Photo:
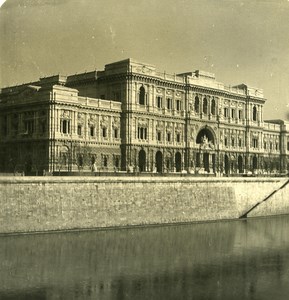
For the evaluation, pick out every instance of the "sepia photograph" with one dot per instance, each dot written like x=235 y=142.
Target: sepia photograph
x=144 y=149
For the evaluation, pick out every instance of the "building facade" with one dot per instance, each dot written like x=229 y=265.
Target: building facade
x=130 y=117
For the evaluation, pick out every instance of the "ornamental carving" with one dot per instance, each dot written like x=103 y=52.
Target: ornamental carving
x=65 y=114
x=169 y=125
x=142 y=122
x=92 y=119
x=80 y=117
x=115 y=122
x=192 y=134
x=178 y=126
x=206 y=143
x=104 y=121
x=159 y=124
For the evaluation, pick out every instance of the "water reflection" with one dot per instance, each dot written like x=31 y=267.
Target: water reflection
x=225 y=260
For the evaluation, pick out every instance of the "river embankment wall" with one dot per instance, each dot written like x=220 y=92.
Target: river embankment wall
x=38 y=204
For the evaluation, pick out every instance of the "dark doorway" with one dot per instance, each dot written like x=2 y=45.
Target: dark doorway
x=255 y=163
x=28 y=165
x=205 y=136
x=198 y=160
x=227 y=164
x=142 y=161
x=214 y=162
x=178 y=162
x=159 y=162
x=206 y=157
x=240 y=164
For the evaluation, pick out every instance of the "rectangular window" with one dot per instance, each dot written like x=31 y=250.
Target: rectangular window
x=65 y=126
x=287 y=146
x=178 y=105
x=255 y=143
x=265 y=145
x=159 y=101
x=142 y=133
x=233 y=113
x=116 y=96
x=240 y=142
x=168 y=136
x=104 y=160
x=29 y=126
x=91 y=130
x=104 y=132
x=159 y=136
x=169 y=103
x=226 y=141
x=79 y=129
x=233 y=142
x=226 y=112
x=115 y=133
x=240 y=114
x=43 y=127
x=117 y=161
x=178 y=137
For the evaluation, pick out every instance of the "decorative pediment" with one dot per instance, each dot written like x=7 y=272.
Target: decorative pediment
x=144 y=70
x=29 y=90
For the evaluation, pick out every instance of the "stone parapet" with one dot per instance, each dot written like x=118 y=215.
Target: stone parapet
x=33 y=204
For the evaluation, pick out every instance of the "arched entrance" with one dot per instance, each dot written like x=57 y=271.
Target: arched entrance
x=255 y=163
x=227 y=164
x=159 y=162
x=240 y=164
x=178 y=162
x=142 y=161
x=206 y=141
x=205 y=137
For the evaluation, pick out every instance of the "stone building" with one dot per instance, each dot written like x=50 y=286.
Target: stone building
x=130 y=117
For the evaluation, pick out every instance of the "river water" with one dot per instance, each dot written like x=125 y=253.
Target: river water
x=223 y=260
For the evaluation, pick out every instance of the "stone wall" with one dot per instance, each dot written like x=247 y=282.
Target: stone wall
x=66 y=203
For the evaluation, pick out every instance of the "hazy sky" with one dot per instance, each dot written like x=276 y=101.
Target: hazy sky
x=239 y=41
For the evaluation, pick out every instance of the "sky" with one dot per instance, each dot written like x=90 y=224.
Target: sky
x=239 y=41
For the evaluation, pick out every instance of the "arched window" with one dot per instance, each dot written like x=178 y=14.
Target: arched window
x=205 y=106
x=254 y=113
x=141 y=96
x=213 y=107
x=197 y=104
